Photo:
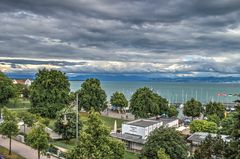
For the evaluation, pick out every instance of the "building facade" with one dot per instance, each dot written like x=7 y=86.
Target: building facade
x=134 y=133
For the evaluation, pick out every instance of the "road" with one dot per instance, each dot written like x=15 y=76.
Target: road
x=21 y=149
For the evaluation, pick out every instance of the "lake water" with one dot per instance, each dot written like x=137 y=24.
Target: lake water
x=174 y=92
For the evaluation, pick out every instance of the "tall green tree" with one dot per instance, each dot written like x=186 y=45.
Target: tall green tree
x=145 y=103
x=66 y=123
x=49 y=92
x=119 y=100
x=91 y=95
x=6 y=90
x=192 y=108
x=214 y=118
x=168 y=139
x=215 y=108
x=233 y=151
x=9 y=127
x=172 y=111
x=227 y=124
x=203 y=126
x=211 y=147
x=38 y=138
x=95 y=142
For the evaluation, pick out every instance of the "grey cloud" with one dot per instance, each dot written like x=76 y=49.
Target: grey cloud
x=151 y=32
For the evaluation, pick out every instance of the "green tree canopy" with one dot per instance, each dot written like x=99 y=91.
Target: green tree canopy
x=168 y=139
x=161 y=154
x=49 y=92
x=203 y=126
x=211 y=146
x=214 y=118
x=227 y=124
x=66 y=123
x=95 y=142
x=38 y=138
x=91 y=95
x=172 y=111
x=119 y=100
x=6 y=89
x=233 y=150
x=192 y=108
x=9 y=127
x=215 y=108
x=145 y=103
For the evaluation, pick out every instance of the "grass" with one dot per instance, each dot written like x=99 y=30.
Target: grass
x=4 y=152
x=18 y=103
x=108 y=121
x=130 y=155
x=62 y=143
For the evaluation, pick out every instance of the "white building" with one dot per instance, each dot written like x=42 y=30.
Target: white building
x=140 y=127
x=28 y=82
x=135 y=133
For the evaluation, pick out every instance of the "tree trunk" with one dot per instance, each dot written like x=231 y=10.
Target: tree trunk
x=10 y=146
x=38 y=154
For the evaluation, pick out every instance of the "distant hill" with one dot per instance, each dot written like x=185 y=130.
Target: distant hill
x=143 y=77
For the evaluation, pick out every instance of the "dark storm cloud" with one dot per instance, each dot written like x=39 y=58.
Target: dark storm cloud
x=188 y=37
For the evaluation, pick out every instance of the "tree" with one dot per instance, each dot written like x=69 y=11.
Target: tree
x=168 y=139
x=211 y=147
x=91 y=95
x=6 y=89
x=9 y=127
x=227 y=124
x=119 y=100
x=214 y=118
x=145 y=103
x=18 y=89
x=95 y=142
x=233 y=150
x=28 y=119
x=203 y=126
x=38 y=138
x=215 y=108
x=66 y=123
x=192 y=108
x=49 y=92
x=26 y=92
x=172 y=111
x=162 y=155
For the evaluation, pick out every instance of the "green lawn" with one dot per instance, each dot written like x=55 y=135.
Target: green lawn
x=62 y=143
x=18 y=103
x=4 y=152
x=130 y=155
x=108 y=121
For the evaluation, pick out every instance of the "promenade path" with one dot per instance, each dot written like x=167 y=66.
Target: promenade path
x=21 y=149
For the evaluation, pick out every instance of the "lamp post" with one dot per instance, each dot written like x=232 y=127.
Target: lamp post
x=77 y=117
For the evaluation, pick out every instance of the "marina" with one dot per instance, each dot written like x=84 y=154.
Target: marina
x=174 y=92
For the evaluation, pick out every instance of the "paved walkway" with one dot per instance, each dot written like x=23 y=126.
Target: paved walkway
x=21 y=149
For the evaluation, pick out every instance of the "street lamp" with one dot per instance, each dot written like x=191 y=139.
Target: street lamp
x=77 y=117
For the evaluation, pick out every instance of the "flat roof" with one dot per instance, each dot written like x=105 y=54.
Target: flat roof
x=200 y=136
x=143 y=123
x=165 y=120
x=129 y=137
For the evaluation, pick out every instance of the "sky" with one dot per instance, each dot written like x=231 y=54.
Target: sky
x=159 y=38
